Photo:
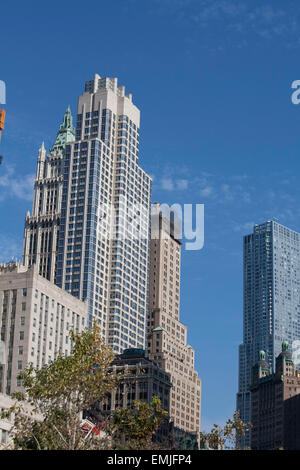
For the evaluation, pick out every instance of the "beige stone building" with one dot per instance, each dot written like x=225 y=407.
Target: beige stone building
x=167 y=336
x=6 y=423
x=36 y=317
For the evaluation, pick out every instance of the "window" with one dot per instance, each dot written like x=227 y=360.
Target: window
x=24 y=292
x=3 y=436
x=21 y=335
x=22 y=321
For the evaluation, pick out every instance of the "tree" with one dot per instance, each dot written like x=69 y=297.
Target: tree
x=133 y=428
x=57 y=394
x=234 y=430
x=228 y=437
x=214 y=439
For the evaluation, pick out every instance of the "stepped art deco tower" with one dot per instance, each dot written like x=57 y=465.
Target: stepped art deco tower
x=99 y=243
x=167 y=336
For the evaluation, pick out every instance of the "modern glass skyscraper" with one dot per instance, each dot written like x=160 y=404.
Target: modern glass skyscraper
x=271 y=300
x=104 y=202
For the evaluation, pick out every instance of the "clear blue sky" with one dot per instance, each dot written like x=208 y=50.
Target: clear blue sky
x=213 y=81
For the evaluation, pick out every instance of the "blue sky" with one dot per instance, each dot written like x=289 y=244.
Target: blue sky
x=213 y=81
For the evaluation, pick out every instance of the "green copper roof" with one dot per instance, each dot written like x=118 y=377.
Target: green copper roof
x=189 y=346
x=262 y=355
x=134 y=352
x=285 y=346
x=158 y=328
x=66 y=132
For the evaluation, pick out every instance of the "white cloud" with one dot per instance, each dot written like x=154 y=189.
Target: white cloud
x=167 y=184
x=12 y=185
x=10 y=247
x=239 y=17
x=207 y=191
x=227 y=192
x=244 y=227
x=182 y=184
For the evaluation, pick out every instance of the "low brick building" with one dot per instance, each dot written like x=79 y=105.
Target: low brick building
x=275 y=403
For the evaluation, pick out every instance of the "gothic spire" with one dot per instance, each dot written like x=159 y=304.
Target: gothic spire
x=42 y=152
x=66 y=132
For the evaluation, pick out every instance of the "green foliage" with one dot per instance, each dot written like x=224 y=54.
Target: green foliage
x=215 y=439
x=235 y=430
x=59 y=392
x=133 y=428
x=48 y=415
x=228 y=437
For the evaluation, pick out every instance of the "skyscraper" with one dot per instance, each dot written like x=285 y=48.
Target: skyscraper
x=167 y=336
x=103 y=202
x=271 y=301
x=42 y=227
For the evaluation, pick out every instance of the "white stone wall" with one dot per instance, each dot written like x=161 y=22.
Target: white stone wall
x=37 y=326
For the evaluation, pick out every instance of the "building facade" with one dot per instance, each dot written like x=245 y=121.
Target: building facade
x=36 y=317
x=95 y=241
x=167 y=336
x=6 y=423
x=42 y=227
x=271 y=301
x=275 y=403
x=142 y=380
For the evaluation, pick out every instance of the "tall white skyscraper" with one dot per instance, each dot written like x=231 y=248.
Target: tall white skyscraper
x=102 y=245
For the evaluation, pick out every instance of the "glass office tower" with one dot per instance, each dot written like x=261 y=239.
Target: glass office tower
x=271 y=301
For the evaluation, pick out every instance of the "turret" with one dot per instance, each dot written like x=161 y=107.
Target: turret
x=260 y=369
x=41 y=162
x=284 y=362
